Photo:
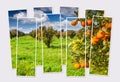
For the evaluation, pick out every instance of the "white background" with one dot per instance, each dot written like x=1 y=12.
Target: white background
x=111 y=8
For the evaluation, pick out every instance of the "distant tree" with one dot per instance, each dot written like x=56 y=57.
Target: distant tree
x=57 y=34
x=63 y=34
x=48 y=35
x=13 y=33
x=71 y=33
x=33 y=33
x=80 y=33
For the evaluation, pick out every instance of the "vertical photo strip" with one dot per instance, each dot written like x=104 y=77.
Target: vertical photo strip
x=100 y=45
x=26 y=46
x=40 y=13
x=75 y=31
x=66 y=12
x=51 y=43
x=89 y=15
x=12 y=15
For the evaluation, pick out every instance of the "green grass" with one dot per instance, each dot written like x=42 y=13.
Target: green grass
x=26 y=56
x=64 y=51
x=52 y=56
x=13 y=52
x=39 y=53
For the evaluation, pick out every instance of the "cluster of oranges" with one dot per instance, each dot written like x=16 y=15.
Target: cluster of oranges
x=101 y=35
x=75 y=22
x=82 y=65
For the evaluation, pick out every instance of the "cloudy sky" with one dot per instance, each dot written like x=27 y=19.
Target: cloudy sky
x=52 y=20
x=13 y=14
x=40 y=13
x=67 y=12
x=26 y=25
x=67 y=15
x=44 y=15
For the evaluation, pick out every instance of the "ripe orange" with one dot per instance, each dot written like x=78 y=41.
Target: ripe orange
x=100 y=34
x=85 y=64
x=89 y=22
x=95 y=40
x=77 y=66
x=108 y=25
x=83 y=23
x=74 y=23
x=107 y=36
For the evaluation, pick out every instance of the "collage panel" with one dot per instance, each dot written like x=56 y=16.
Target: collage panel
x=75 y=31
x=66 y=12
x=40 y=13
x=26 y=46
x=100 y=45
x=89 y=15
x=12 y=16
x=51 y=43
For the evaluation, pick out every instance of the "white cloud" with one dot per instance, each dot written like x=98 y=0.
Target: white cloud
x=55 y=25
x=40 y=16
x=27 y=20
x=21 y=14
x=68 y=11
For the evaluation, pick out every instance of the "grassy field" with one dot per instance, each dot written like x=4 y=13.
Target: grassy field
x=26 y=56
x=39 y=53
x=52 y=56
x=13 y=52
x=64 y=51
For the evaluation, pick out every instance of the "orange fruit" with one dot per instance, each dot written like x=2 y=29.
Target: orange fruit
x=85 y=64
x=83 y=23
x=108 y=25
x=89 y=22
x=77 y=66
x=107 y=36
x=100 y=34
x=74 y=23
x=95 y=40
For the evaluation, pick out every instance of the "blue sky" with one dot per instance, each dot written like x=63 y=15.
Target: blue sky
x=26 y=25
x=47 y=18
x=42 y=9
x=53 y=20
x=13 y=14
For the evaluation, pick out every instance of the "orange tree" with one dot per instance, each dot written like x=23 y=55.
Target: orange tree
x=78 y=45
x=100 y=45
x=89 y=15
